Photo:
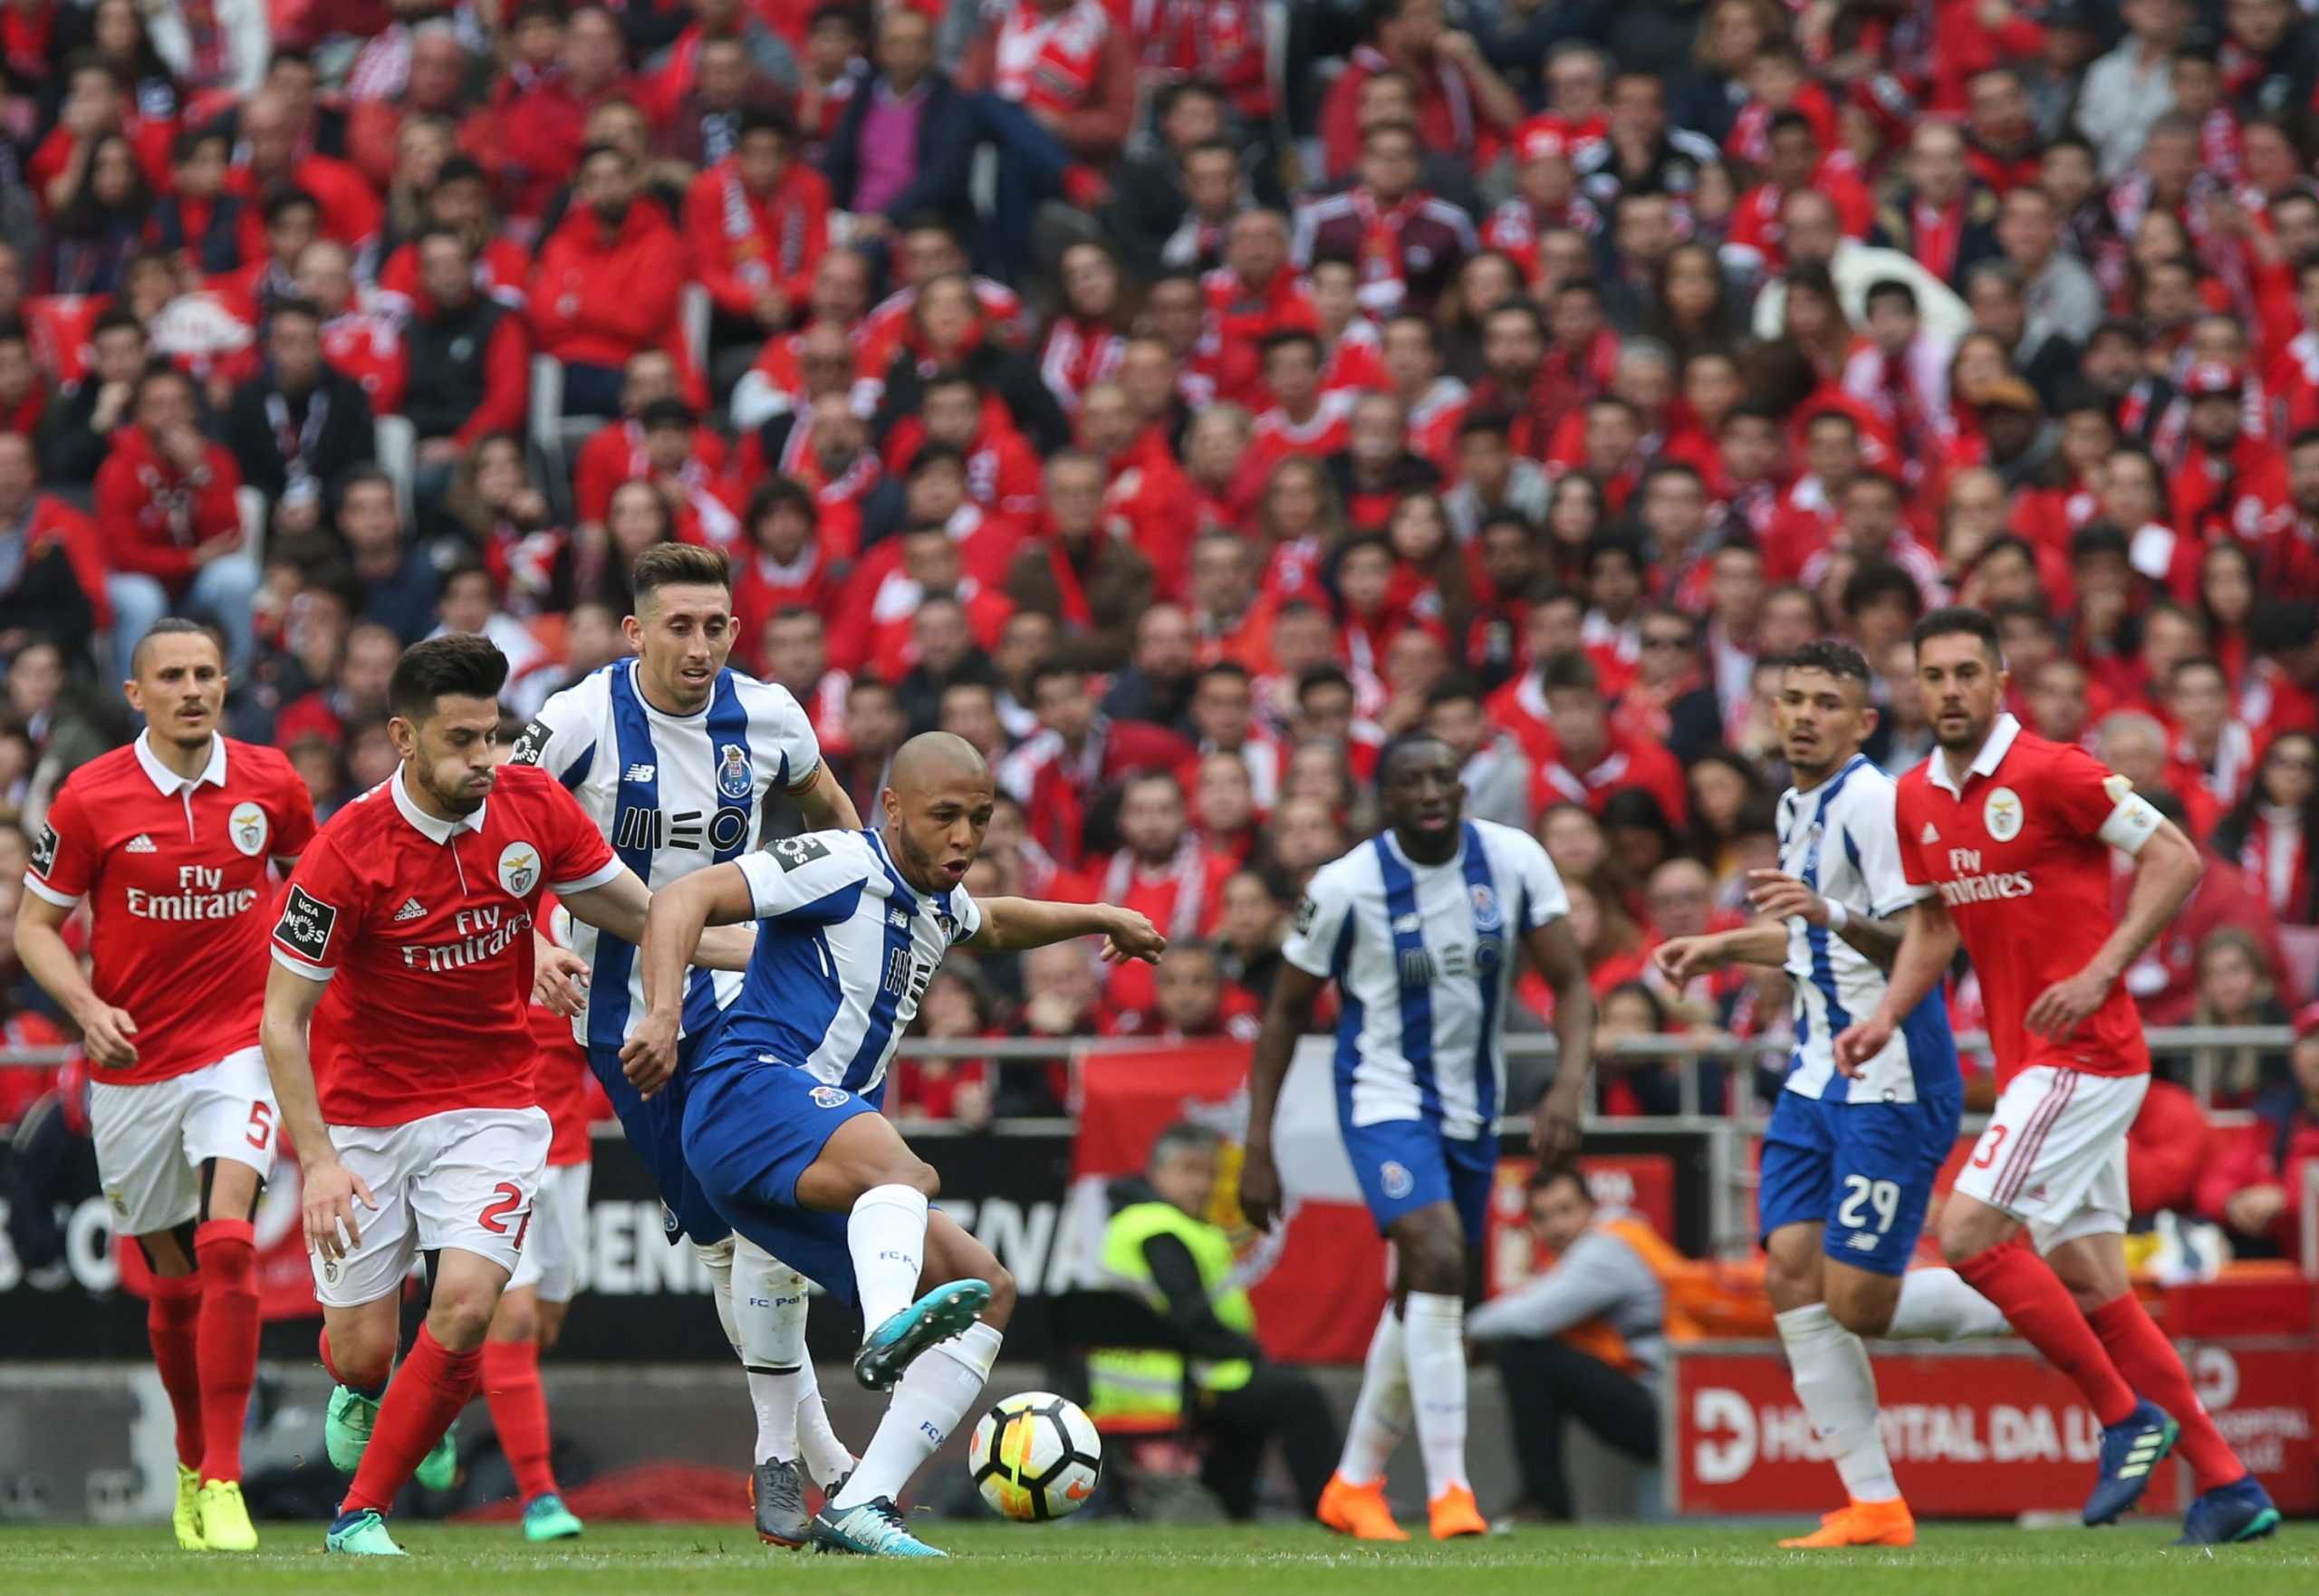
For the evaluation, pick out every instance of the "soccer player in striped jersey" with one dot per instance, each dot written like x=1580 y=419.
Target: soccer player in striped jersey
x=1848 y=1165
x=1420 y=929
x=782 y=1124
x=672 y=754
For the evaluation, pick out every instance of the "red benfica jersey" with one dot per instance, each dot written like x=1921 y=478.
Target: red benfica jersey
x=560 y=1066
x=431 y=922
x=177 y=870
x=2022 y=858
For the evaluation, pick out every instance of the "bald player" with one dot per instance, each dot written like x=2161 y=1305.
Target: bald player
x=782 y=1125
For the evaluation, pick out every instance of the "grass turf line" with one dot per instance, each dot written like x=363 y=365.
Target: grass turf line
x=1001 y=1560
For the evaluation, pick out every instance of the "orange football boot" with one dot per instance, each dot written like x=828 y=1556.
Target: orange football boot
x=1359 y=1511
x=1861 y=1524
x=1453 y=1513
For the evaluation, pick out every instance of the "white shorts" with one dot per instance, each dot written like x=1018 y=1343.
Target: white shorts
x=2055 y=1153
x=152 y=1140
x=464 y=1179
x=557 y=1245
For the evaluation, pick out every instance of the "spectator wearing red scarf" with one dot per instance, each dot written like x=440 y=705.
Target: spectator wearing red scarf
x=759 y=223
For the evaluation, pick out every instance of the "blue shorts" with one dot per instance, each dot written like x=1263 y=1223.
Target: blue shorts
x=655 y=1128
x=1864 y=1170
x=1404 y=1165
x=751 y=1129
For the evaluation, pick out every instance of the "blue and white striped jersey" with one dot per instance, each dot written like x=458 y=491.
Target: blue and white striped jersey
x=1839 y=840
x=845 y=947
x=1422 y=955
x=672 y=794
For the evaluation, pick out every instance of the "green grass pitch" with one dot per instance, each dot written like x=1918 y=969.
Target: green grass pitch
x=1098 y=1560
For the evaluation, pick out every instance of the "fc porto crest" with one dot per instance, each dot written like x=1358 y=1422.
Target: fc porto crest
x=1487 y=916
x=733 y=777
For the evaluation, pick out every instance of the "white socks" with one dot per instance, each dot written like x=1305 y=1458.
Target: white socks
x=769 y=1305
x=1436 y=1337
x=718 y=1258
x=930 y=1399
x=1383 y=1409
x=887 y=1237
x=1829 y=1365
x=1937 y=1305
x=826 y=1457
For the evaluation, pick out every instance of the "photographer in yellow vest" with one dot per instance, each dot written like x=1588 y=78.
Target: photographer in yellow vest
x=1584 y=1338
x=1161 y=1247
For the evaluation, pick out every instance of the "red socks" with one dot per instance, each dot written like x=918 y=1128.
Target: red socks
x=511 y=1383
x=2042 y=1312
x=425 y=1395
x=227 y=1254
x=172 y=1315
x=2144 y=1356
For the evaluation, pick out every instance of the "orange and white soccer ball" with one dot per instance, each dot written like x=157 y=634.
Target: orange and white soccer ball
x=1036 y=1457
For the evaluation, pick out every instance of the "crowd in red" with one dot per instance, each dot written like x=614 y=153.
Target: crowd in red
x=1178 y=398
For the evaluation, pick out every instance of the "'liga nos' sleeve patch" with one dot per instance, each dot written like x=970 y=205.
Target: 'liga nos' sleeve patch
x=1307 y=911
x=44 y=852
x=794 y=854
x=531 y=743
x=306 y=925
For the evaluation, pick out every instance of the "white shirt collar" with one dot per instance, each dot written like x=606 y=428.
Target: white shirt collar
x=1984 y=763
x=170 y=783
x=425 y=824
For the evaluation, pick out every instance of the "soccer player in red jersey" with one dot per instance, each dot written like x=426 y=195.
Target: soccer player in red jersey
x=169 y=839
x=2016 y=834
x=530 y=1317
x=412 y=1104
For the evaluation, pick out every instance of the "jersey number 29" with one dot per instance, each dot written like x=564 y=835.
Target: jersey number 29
x=1883 y=1195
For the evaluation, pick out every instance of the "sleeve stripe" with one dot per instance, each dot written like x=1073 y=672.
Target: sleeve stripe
x=597 y=878
x=42 y=889
x=298 y=966
x=811 y=777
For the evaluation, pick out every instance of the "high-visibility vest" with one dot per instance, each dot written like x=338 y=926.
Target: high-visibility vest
x=1143 y=1387
x=1596 y=1337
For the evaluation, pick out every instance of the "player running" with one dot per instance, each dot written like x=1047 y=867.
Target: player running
x=530 y=1316
x=169 y=839
x=672 y=756
x=782 y=1125
x=1417 y=927
x=414 y=1116
x=1848 y=1166
x=2015 y=833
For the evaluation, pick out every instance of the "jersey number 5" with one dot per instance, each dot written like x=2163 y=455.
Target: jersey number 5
x=507 y=1197
x=261 y=1124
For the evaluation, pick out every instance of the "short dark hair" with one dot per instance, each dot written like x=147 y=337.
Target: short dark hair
x=673 y=564
x=1841 y=661
x=1546 y=1176
x=667 y=412
x=1572 y=670
x=1957 y=620
x=454 y=665
x=169 y=625
x=1893 y=288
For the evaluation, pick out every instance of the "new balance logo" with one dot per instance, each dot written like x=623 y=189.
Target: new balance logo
x=642 y=773
x=1929 y=834
x=897 y=916
x=140 y=843
x=411 y=910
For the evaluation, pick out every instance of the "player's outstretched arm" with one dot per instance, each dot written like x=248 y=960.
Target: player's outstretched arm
x=1682 y=958
x=826 y=805
x=1287 y=1018
x=1016 y=925
x=105 y=1030
x=1926 y=950
x=1556 y=1124
x=2167 y=867
x=679 y=916
x=621 y=905
x=328 y=1190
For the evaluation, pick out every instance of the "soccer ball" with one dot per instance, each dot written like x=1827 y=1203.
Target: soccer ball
x=1036 y=1457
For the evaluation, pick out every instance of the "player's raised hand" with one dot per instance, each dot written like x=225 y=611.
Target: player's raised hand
x=1857 y=1043
x=559 y=980
x=105 y=1034
x=328 y=1193
x=1133 y=937
x=1779 y=896
x=648 y=1058
x=1259 y=1187
x=1680 y=958
x=2063 y=1006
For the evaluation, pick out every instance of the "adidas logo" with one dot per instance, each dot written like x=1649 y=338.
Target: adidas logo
x=1929 y=834
x=642 y=773
x=140 y=843
x=410 y=910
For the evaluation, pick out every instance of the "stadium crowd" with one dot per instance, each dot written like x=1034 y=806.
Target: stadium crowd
x=1178 y=398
